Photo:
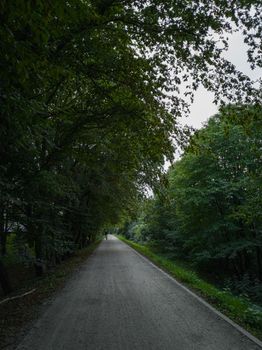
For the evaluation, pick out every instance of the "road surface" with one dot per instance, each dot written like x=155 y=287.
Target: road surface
x=120 y=301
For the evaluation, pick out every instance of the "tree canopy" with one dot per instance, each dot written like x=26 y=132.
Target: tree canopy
x=209 y=213
x=90 y=95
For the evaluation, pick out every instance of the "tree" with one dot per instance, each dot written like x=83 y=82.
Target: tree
x=213 y=186
x=208 y=213
x=89 y=100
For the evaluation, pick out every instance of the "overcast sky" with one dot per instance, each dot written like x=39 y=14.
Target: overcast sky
x=203 y=108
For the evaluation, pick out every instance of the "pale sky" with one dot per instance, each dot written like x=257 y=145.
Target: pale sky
x=203 y=108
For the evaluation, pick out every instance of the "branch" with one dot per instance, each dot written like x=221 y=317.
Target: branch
x=18 y=296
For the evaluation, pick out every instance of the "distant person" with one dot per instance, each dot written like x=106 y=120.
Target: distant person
x=105 y=233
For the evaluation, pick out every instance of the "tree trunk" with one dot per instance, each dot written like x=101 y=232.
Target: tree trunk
x=40 y=266
x=3 y=234
x=236 y=269
x=4 y=279
x=258 y=253
x=259 y=262
x=3 y=238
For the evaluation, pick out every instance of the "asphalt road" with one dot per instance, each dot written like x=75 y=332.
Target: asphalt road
x=119 y=301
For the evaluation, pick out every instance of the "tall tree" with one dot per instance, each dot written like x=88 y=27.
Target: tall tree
x=89 y=94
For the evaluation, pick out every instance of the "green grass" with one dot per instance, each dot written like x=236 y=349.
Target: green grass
x=236 y=308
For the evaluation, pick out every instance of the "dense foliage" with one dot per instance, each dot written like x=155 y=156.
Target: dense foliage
x=210 y=212
x=89 y=94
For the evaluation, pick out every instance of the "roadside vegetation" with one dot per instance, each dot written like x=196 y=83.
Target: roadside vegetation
x=207 y=215
x=238 y=308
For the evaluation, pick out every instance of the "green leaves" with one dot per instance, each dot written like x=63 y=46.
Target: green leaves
x=209 y=212
x=89 y=98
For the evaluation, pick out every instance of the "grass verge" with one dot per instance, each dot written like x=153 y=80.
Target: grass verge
x=16 y=314
x=238 y=309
